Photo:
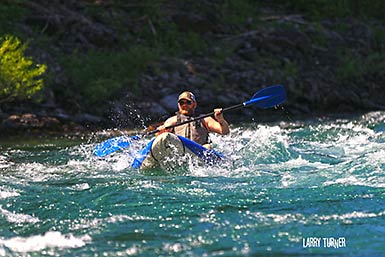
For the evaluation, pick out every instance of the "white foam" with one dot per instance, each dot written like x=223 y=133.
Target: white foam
x=80 y=187
x=287 y=218
x=51 y=239
x=4 y=163
x=6 y=193
x=351 y=215
x=122 y=164
x=18 y=217
x=82 y=224
x=36 y=171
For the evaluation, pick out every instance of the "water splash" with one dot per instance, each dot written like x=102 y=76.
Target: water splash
x=49 y=240
x=282 y=182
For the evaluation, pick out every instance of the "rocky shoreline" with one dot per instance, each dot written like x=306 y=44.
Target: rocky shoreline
x=325 y=70
x=37 y=125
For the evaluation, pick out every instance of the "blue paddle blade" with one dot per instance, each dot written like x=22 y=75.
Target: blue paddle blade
x=141 y=155
x=268 y=97
x=265 y=98
x=113 y=144
x=209 y=156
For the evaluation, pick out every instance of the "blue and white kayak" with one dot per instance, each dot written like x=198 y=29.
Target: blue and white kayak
x=169 y=151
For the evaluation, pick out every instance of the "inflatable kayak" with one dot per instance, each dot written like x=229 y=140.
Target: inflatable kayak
x=169 y=151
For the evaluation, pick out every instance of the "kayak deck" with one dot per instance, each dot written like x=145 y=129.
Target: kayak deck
x=169 y=151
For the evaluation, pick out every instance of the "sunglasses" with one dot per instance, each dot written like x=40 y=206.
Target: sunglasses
x=182 y=102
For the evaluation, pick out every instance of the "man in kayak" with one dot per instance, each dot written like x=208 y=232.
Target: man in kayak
x=198 y=130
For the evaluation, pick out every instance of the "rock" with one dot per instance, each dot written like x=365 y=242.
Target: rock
x=223 y=62
x=193 y=22
x=29 y=121
x=86 y=118
x=151 y=110
x=169 y=102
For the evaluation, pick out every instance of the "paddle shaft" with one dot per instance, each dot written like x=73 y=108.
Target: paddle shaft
x=264 y=98
x=198 y=118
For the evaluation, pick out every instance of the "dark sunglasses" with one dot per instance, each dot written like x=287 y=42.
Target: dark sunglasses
x=182 y=102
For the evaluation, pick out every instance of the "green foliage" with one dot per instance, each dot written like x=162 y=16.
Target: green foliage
x=146 y=30
x=238 y=12
x=99 y=75
x=291 y=69
x=318 y=37
x=194 y=42
x=270 y=62
x=349 y=67
x=379 y=37
x=166 y=37
x=318 y=9
x=10 y=13
x=356 y=68
x=173 y=42
x=20 y=78
x=368 y=9
x=374 y=64
x=221 y=53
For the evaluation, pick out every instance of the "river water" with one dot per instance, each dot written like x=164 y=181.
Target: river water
x=300 y=188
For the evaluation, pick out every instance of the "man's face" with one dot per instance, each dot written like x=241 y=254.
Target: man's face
x=186 y=107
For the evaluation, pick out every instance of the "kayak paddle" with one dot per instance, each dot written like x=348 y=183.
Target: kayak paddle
x=264 y=98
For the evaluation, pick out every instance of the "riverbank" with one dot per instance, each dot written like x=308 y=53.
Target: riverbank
x=30 y=126
x=118 y=66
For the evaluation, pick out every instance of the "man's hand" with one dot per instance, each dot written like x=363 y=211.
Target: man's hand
x=218 y=114
x=161 y=129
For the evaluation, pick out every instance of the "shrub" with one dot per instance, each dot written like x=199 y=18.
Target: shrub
x=20 y=77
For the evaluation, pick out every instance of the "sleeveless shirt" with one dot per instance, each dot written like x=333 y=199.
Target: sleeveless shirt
x=195 y=131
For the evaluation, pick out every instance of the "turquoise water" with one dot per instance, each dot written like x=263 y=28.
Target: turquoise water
x=286 y=187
